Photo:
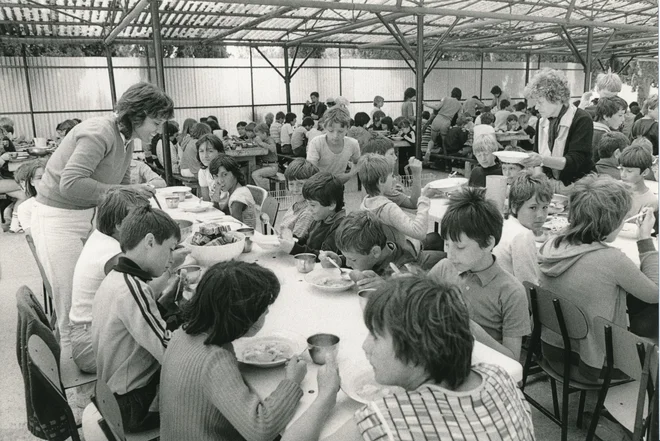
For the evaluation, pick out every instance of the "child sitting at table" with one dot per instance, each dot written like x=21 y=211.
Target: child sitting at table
x=501 y=116
x=325 y=195
x=190 y=165
x=529 y=198
x=636 y=163
x=610 y=114
x=457 y=135
x=229 y=178
x=484 y=145
x=512 y=123
x=385 y=147
x=209 y=147
x=276 y=129
x=378 y=179
x=141 y=173
x=249 y=132
x=268 y=162
x=286 y=132
x=369 y=247
x=377 y=118
x=579 y=265
x=129 y=336
x=298 y=217
x=525 y=144
x=299 y=138
x=240 y=128
x=28 y=176
x=471 y=228
x=610 y=147
x=203 y=394
x=419 y=340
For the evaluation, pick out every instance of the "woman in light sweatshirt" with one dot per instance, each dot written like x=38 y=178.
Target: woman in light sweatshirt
x=580 y=266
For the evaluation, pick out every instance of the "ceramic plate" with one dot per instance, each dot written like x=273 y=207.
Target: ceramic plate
x=195 y=207
x=360 y=384
x=448 y=183
x=269 y=350
x=329 y=280
x=511 y=157
x=176 y=189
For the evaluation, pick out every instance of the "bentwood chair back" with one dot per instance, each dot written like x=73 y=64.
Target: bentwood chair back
x=48 y=291
x=637 y=358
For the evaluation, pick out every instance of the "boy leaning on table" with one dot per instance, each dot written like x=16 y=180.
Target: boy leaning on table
x=636 y=163
x=325 y=196
x=129 y=336
x=471 y=228
x=369 y=247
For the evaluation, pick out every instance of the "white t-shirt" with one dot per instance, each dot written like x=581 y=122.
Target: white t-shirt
x=205 y=179
x=313 y=133
x=89 y=273
x=517 y=253
x=319 y=153
x=285 y=134
x=244 y=196
x=24 y=212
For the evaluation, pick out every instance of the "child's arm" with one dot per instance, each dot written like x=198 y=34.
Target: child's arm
x=525 y=258
x=253 y=418
x=140 y=315
x=410 y=136
x=504 y=348
x=394 y=216
x=203 y=186
x=236 y=209
x=416 y=171
x=150 y=177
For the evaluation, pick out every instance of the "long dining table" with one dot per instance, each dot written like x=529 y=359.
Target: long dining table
x=304 y=310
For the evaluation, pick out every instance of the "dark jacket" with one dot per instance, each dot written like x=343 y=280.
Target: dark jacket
x=321 y=236
x=578 y=149
x=318 y=111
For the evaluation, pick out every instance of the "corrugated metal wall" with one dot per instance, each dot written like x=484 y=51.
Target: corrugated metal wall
x=67 y=87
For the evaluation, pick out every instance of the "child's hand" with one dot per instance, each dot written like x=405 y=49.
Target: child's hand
x=370 y=280
x=179 y=256
x=645 y=224
x=398 y=187
x=326 y=256
x=296 y=369
x=286 y=234
x=428 y=191
x=328 y=378
x=286 y=245
x=415 y=166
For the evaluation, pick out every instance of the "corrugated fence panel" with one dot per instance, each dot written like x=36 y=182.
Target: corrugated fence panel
x=47 y=122
x=13 y=86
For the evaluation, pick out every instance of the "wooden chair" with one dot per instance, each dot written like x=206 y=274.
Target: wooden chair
x=564 y=318
x=637 y=358
x=111 y=424
x=48 y=291
x=42 y=358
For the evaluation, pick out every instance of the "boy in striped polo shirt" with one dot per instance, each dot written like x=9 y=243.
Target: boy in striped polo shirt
x=129 y=336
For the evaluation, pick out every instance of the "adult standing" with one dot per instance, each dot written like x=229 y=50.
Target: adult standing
x=94 y=157
x=498 y=96
x=564 y=132
x=408 y=106
x=314 y=108
x=444 y=114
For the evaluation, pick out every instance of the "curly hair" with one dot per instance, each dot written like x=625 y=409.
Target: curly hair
x=140 y=101
x=429 y=325
x=231 y=297
x=549 y=84
x=526 y=185
x=229 y=164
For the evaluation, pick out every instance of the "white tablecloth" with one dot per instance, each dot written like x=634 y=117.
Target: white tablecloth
x=305 y=310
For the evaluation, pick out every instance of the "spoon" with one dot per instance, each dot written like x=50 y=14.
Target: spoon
x=344 y=273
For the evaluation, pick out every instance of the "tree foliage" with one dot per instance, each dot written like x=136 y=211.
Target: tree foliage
x=11 y=49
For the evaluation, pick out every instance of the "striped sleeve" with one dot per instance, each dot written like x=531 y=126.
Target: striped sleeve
x=142 y=319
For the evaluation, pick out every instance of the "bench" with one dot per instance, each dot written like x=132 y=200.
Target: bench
x=277 y=182
x=443 y=157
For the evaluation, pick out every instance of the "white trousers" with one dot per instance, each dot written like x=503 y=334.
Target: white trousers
x=58 y=237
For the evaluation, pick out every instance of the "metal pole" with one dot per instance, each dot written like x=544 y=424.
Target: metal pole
x=111 y=76
x=419 y=73
x=29 y=90
x=340 y=67
x=527 y=61
x=146 y=47
x=287 y=79
x=587 y=65
x=160 y=80
x=252 y=86
x=481 y=78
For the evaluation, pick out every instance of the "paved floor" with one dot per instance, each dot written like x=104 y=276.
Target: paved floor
x=17 y=268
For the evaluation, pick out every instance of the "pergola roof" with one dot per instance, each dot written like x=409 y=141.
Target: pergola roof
x=626 y=27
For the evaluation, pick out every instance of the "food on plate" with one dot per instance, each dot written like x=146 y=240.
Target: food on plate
x=212 y=234
x=267 y=352
x=556 y=224
x=333 y=283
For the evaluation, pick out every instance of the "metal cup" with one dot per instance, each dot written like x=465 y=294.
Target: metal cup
x=322 y=346
x=305 y=262
x=364 y=294
x=247 y=247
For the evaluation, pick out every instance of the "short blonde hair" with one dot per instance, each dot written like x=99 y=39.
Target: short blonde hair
x=550 y=84
x=485 y=143
x=598 y=206
x=337 y=115
x=651 y=103
x=608 y=84
x=373 y=168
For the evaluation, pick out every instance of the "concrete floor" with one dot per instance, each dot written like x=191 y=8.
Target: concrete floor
x=18 y=268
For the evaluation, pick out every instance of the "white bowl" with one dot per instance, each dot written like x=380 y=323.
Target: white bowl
x=195 y=207
x=289 y=343
x=210 y=255
x=511 y=157
x=448 y=184
x=266 y=241
x=328 y=280
x=359 y=383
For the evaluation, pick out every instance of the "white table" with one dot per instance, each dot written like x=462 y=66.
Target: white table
x=305 y=310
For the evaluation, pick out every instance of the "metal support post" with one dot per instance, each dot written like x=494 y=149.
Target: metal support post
x=254 y=118
x=481 y=78
x=287 y=79
x=146 y=47
x=419 y=74
x=160 y=80
x=29 y=90
x=589 y=60
x=527 y=61
x=340 y=84
x=111 y=76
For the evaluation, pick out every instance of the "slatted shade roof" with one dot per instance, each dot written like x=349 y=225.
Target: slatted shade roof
x=625 y=27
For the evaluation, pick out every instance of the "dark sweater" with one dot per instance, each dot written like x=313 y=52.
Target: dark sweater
x=321 y=236
x=578 y=149
x=647 y=128
x=478 y=176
